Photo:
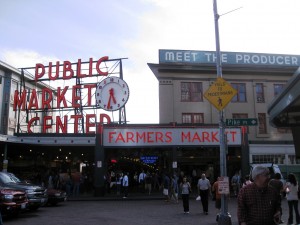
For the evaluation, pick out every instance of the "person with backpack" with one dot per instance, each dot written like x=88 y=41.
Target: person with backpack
x=235 y=183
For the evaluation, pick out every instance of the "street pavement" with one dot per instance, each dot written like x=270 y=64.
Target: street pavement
x=135 y=210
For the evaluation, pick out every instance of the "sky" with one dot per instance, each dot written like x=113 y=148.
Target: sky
x=43 y=31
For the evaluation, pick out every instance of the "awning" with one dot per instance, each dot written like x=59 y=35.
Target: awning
x=284 y=110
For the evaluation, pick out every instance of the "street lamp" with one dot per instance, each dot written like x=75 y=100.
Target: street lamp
x=224 y=217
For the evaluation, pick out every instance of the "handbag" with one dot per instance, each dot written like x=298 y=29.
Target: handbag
x=166 y=191
x=198 y=198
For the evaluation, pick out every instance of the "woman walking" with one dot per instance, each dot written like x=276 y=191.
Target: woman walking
x=291 y=189
x=185 y=195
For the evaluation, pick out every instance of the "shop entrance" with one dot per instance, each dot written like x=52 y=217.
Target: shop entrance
x=153 y=161
x=191 y=161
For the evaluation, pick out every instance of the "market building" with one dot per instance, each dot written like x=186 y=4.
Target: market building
x=66 y=125
x=184 y=76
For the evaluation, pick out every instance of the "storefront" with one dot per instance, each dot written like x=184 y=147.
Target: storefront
x=128 y=148
x=165 y=149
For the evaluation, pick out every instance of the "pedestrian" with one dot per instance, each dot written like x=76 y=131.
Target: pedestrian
x=50 y=181
x=107 y=181
x=118 y=183
x=258 y=203
x=277 y=184
x=148 y=182
x=185 y=187
x=156 y=181
x=246 y=181
x=125 y=184
x=1 y=222
x=215 y=190
x=166 y=187
x=142 y=177
x=204 y=192
x=76 y=180
x=235 y=183
x=135 y=184
x=291 y=189
x=174 y=188
x=68 y=183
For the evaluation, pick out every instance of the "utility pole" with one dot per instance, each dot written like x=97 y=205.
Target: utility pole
x=224 y=217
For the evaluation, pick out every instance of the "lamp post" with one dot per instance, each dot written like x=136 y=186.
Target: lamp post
x=224 y=217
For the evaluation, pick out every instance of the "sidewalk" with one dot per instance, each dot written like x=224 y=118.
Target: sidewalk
x=114 y=197
x=196 y=207
x=164 y=209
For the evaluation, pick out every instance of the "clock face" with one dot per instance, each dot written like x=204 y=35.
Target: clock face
x=112 y=93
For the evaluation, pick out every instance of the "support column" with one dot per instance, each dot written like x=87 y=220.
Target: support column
x=100 y=165
x=174 y=160
x=245 y=160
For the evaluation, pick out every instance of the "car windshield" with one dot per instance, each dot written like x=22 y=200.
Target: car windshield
x=9 y=178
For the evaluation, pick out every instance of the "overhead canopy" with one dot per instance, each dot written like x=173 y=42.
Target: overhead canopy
x=284 y=111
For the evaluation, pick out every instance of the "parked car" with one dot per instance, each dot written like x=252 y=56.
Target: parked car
x=36 y=195
x=56 y=196
x=12 y=201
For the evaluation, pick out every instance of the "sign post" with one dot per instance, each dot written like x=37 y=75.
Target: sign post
x=220 y=93
x=224 y=217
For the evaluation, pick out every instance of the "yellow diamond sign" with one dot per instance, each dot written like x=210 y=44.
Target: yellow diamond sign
x=220 y=93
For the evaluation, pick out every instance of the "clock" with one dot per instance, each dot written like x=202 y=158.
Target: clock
x=112 y=93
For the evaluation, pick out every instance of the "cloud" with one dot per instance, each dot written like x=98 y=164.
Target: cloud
x=21 y=58
x=137 y=29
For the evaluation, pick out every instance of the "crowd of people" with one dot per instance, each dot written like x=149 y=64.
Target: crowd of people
x=258 y=196
x=259 y=202
x=73 y=182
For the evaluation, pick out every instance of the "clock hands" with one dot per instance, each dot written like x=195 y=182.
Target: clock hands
x=112 y=93
x=111 y=97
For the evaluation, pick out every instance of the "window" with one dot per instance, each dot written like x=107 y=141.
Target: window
x=192 y=118
x=241 y=92
x=239 y=115
x=191 y=92
x=259 y=89
x=293 y=160
x=284 y=130
x=275 y=158
x=278 y=89
x=262 y=123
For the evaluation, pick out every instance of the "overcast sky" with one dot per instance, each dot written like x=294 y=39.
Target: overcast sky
x=40 y=31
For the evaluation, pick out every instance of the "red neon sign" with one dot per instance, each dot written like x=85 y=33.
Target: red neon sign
x=66 y=97
x=68 y=70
